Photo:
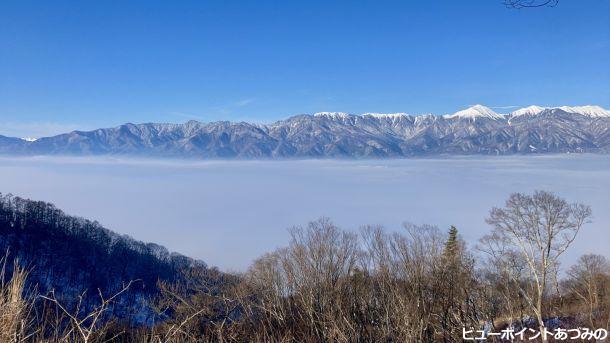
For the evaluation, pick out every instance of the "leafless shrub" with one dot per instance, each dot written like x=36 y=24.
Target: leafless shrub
x=89 y=326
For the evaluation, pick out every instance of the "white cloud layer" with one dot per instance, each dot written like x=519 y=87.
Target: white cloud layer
x=229 y=212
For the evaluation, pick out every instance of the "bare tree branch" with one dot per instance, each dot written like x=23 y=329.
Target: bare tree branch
x=518 y=4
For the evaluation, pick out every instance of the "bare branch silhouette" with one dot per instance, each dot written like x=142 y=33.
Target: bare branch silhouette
x=518 y=4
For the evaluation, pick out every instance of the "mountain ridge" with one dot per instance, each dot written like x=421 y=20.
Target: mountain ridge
x=476 y=130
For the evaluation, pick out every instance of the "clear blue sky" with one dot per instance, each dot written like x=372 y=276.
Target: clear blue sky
x=84 y=64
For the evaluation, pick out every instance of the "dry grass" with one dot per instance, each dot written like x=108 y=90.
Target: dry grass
x=15 y=309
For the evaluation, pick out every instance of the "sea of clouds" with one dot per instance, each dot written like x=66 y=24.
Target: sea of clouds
x=229 y=212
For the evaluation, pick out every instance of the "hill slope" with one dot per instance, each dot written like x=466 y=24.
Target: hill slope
x=72 y=255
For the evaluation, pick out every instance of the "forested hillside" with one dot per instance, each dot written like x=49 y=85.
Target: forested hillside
x=72 y=255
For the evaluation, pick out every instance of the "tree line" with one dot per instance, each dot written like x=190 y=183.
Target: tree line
x=73 y=256
x=420 y=284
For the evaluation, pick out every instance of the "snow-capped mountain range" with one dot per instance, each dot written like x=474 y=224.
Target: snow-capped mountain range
x=475 y=130
x=589 y=110
x=480 y=111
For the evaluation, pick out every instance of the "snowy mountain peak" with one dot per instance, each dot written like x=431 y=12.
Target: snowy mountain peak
x=474 y=112
x=588 y=110
x=480 y=111
x=528 y=111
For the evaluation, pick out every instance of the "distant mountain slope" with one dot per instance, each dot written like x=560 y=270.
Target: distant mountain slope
x=477 y=130
x=11 y=145
x=72 y=255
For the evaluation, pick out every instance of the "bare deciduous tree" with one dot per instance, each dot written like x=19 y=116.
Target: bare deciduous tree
x=589 y=281
x=540 y=228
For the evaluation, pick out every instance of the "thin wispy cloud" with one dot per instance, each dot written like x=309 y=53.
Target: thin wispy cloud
x=216 y=112
x=244 y=102
x=188 y=116
x=231 y=107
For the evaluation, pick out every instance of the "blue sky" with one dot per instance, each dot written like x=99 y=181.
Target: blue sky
x=84 y=64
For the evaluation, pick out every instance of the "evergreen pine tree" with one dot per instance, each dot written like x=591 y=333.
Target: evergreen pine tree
x=452 y=244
